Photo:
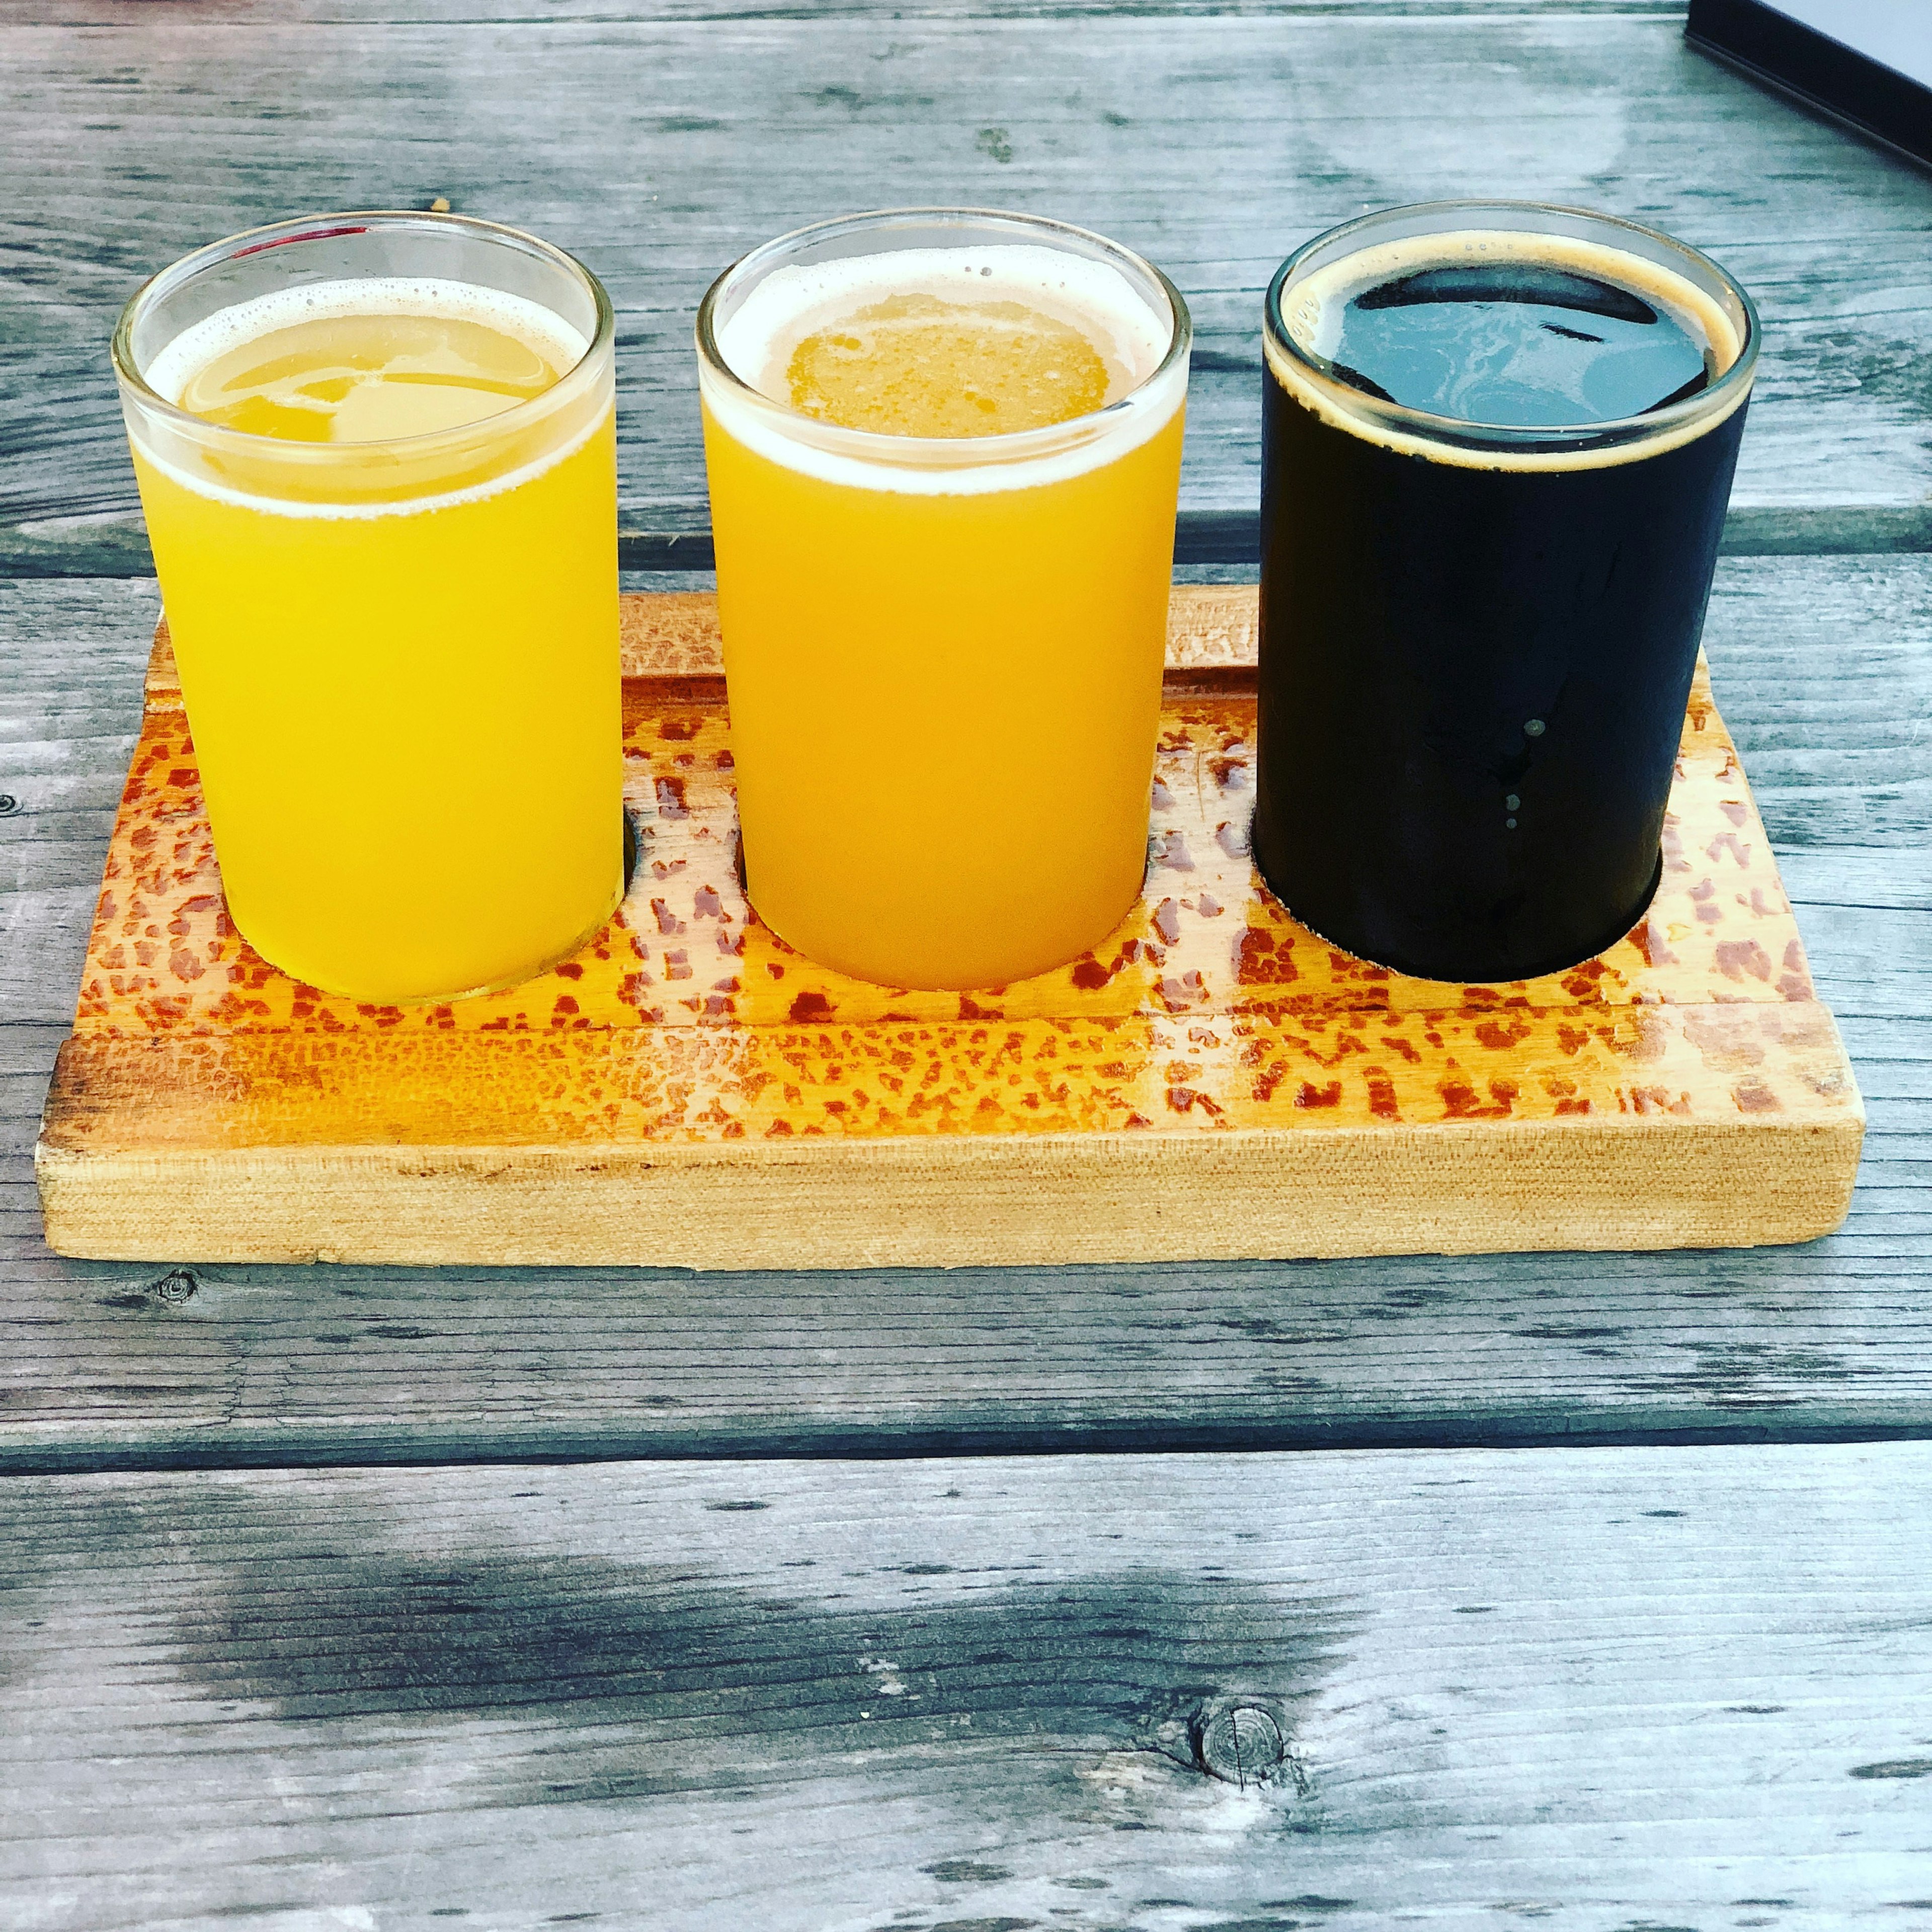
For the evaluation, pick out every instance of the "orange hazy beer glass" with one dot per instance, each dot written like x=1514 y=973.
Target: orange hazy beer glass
x=944 y=450
x=377 y=459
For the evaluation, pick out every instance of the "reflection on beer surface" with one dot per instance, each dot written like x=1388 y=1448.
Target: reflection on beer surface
x=1503 y=329
x=1517 y=343
x=364 y=361
x=1480 y=622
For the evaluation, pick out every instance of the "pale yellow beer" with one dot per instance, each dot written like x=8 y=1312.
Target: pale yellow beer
x=943 y=466
x=382 y=510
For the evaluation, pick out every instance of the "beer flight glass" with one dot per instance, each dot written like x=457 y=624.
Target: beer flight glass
x=944 y=451
x=1497 y=448
x=377 y=456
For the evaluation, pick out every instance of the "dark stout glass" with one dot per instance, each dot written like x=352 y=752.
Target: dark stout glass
x=1498 y=444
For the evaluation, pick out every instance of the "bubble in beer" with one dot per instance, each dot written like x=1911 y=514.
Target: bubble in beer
x=917 y=364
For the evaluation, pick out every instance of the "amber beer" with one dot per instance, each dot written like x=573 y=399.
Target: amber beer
x=944 y=451
x=1498 y=443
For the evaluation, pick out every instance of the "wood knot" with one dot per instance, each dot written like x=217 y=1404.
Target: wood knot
x=1240 y=1744
x=9 y=804
x=174 y=1287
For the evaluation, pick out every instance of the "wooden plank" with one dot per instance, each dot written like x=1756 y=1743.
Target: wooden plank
x=112 y=1365
x=1215 y=1081
x=464 y=12
x=659 y=149
x=1594 y=1689
x=342 y=1364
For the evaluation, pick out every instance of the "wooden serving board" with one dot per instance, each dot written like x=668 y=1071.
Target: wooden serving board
x=1214 y=1082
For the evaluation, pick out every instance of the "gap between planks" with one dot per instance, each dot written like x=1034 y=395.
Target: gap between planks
x=1230 y=539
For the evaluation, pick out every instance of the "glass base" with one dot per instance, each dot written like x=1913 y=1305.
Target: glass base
x=829 y=957
x=498 y=983
x=1538 y=967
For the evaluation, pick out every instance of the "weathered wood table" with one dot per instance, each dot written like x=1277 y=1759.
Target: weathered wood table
x=1592 y=1590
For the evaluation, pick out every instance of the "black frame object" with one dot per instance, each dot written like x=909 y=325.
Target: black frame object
x=1827 y=53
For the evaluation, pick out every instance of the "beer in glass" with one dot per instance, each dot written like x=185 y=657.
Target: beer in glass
x=1497 y=447
x=944 y=449
x=377 y=455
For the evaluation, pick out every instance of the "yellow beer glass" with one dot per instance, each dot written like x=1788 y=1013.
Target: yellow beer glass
x=377 y=458
x=944 y=451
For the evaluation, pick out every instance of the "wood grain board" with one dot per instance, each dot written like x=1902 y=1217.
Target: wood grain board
x=1216 y=1081
x=1586 y=1691
x=660 y=141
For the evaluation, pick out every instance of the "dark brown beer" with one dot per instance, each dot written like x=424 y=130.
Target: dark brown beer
x=1495 y=462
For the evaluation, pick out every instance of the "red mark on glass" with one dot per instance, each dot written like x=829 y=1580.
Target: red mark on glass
x=307 y=234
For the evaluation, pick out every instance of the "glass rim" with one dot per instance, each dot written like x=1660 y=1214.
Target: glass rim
x=961 y=452
x=1462 y=431
x=326 y=227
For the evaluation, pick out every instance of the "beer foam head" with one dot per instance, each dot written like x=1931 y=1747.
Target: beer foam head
x=801 y=299
x=1313 y=310
x=784 y=308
